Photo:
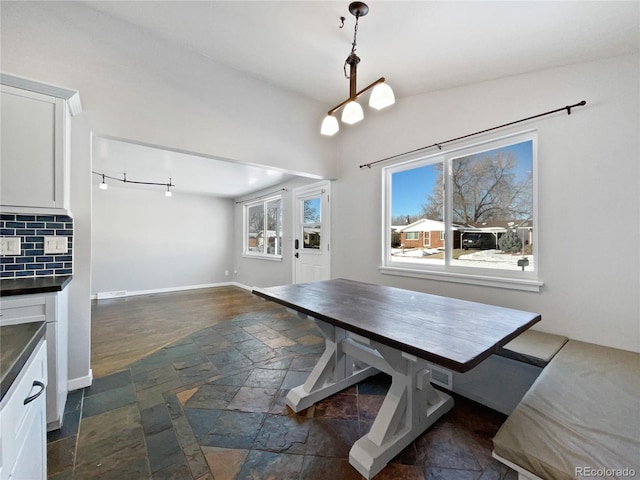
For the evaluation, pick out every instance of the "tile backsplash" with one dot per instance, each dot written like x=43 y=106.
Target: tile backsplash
x=32 y=260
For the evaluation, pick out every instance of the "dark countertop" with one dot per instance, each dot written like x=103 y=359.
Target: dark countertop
x=17 y=343
x=29 y=285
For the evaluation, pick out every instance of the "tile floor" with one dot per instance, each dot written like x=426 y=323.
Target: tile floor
x=211 y=407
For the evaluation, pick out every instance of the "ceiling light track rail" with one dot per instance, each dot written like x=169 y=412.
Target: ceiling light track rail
x=124 y=179
x=440 y=144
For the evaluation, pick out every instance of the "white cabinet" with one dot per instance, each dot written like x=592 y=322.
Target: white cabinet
x=23 y=433
x=34 y=145
x=32 y=140
x=51 y=308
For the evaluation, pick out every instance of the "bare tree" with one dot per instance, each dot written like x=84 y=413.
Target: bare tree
x=484 y=187
x=405 y=219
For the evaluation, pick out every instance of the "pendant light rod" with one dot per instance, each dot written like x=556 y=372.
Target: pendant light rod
x=337 y=107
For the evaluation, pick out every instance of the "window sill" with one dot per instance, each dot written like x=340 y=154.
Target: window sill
x=257 y=256
x=525 y=284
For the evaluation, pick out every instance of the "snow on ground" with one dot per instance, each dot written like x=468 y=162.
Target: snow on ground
x=480 y=258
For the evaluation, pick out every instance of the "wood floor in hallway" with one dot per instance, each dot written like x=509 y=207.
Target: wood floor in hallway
x=124 y=330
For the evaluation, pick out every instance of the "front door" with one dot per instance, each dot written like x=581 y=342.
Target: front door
x=312 y=233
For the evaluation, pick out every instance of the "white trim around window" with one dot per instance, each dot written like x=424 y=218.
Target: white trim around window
x=520 y=270
x=260 y=240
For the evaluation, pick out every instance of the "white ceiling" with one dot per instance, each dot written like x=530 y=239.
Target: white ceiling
x=189 y=173
x=418 y=46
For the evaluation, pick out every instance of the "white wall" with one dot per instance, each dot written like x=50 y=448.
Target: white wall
x=588 y=192
x=79 y=364
x=142 y=240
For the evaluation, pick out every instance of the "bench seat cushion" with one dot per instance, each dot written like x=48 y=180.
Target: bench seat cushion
x=533 y=347
x=583 y=411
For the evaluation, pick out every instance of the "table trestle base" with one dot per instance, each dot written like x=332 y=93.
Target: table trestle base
x=410 y=407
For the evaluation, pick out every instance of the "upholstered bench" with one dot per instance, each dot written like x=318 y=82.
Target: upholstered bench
x=501 y=381
x=581 y=418
x=533 y=347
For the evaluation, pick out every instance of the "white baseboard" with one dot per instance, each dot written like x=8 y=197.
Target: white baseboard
x=126 y=293
x=80 y=382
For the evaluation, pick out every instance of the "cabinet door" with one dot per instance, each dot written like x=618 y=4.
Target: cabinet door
x=31 y=462
x=32 y=141
x=23 y=429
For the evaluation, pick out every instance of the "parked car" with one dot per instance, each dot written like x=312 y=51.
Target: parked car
x=478 y=241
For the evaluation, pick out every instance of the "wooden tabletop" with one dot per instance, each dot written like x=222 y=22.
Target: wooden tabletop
x=455 y=334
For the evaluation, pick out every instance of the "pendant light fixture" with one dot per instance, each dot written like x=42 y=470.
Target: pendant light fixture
x=381 y=96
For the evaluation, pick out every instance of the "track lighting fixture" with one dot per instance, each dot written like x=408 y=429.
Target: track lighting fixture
x=104 y=185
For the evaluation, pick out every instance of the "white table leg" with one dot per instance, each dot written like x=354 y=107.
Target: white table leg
x=333 y=372
x=411 y=406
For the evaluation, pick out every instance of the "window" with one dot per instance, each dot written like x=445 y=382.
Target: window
x=312 y=223
x=479 y=201
x=262 y=227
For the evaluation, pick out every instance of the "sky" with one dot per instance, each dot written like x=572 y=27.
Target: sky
x=411 y=187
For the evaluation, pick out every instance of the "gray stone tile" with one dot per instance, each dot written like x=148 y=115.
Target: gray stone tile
x=283 y=434
x=108 y=400
x=213 y=396
x=164 y=450
x=271 y=465
x=155 y=419
x=234 y=430
x=262 y=377
x=108 y=382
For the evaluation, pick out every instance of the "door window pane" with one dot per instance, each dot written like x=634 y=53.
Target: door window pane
x=311 y=223
x=312 y=210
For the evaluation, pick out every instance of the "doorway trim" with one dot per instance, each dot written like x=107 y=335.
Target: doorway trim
x=325 y=188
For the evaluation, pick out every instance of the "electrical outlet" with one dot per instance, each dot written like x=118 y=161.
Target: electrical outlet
x=56 y=245
x=10 y=246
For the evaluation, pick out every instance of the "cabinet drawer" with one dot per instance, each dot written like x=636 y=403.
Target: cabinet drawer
x=16 y=416
x=23 y=309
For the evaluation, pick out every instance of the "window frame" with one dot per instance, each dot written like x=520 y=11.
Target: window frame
x=263 y=255
x=519 y=280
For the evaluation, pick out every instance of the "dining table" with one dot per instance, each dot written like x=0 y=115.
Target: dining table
x=371 y=328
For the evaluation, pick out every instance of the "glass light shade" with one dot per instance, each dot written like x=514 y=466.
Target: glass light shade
x=103 y=186
x=381 y=96
x=168 y=192
x=329 y=125
x=352 y=113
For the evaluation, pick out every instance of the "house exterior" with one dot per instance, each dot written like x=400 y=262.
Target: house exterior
x=426 y=233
